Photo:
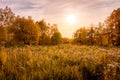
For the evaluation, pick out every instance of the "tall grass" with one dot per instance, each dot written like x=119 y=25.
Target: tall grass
x=61 y=62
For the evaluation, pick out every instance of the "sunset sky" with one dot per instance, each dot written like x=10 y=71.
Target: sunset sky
x=57 y=11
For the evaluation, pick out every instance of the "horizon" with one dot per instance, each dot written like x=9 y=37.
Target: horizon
x=86 y=12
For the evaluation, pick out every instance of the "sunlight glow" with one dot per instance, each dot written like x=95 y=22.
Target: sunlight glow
x=71 y=19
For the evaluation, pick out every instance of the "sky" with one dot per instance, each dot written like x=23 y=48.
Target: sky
x=56 y=11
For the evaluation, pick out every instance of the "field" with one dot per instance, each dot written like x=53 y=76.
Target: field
x=61 y=62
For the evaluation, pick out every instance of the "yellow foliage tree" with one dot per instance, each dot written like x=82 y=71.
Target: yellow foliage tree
x=80 y=36
x=113 y=22
x=25 y=31
x=44 y=33
x=3 y=35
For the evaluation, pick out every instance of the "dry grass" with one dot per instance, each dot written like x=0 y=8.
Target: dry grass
x=61 y=62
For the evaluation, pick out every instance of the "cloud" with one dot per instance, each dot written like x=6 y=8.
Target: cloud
x=102 y=4
x=51 y=7
x=87 y=11
x=60 y=7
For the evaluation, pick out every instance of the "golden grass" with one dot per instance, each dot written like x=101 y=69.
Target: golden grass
x=61 y=62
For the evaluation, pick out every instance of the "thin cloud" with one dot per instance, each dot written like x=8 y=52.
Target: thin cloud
x=54 y=11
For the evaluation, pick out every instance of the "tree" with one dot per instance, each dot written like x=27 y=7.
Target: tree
x=113 y=23
x=105 y=37
x=3 y=35
x=98 y=33
x=56 y=38
x=80 y=36
x=53 y=29
x=6 y=17
x=66 y=40
x=45 y=40
x=91 y=35
x=25 y=31
x=45 y=33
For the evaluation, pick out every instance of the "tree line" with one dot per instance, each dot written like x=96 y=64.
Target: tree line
x=104 y=34
x=17 y=30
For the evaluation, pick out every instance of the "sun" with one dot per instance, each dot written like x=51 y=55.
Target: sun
x=71 y=18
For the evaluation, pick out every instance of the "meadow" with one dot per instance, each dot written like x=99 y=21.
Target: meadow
x=60 y=62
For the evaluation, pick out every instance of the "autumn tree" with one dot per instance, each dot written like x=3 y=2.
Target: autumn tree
x=48 y=32
x=66 y=40
x=6 y=17
x=105 y=37
x=98 y=34
x=56 y=38
x=6 y=20
x=3 y=35
x=53 y=29
x=45 y=32
x=91 y=34
x=80 y=36
x=113 y=23
x=25 y=31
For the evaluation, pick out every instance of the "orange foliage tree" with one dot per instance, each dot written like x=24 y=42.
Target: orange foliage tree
x=25 y=31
